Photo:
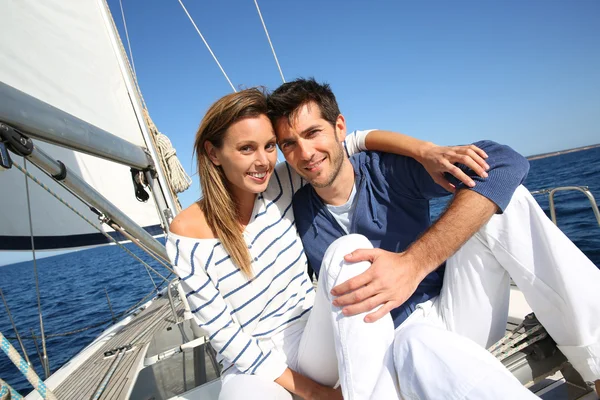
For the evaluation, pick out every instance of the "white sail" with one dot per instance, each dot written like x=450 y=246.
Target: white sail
x=63 y=52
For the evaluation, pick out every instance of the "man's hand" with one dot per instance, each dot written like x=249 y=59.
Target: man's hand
x=390 y=280
x=438 y=160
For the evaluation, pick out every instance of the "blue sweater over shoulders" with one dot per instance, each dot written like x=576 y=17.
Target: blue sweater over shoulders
x=392 y=207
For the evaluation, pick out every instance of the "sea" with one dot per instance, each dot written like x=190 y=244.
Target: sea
x=74 y=287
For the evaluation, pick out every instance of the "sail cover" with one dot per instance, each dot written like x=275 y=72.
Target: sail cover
x=64 y=53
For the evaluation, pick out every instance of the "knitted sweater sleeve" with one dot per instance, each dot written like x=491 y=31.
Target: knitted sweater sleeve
x=508 y=169
x=214 y=315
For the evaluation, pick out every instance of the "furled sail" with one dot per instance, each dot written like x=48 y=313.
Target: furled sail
x=64 y=53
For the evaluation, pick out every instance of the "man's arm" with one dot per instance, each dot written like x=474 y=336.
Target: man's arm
x=438 y=161
x=393 y=277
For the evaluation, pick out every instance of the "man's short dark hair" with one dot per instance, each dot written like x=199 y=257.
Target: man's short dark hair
x=287 y=99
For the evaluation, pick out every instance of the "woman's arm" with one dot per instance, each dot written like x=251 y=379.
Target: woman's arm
x=305 y=387
x=190 y=257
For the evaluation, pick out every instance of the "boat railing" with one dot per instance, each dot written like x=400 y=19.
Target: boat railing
x=583 y=189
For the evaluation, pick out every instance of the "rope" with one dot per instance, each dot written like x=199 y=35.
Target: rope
x=27 y=371
x=148 y=120
x=127 y=36
x=269 y=39
x=45 y=360
x=124 y=53
x=513 y=341
x=109 y=375
x=8 y=393
x=206 y=44
x=178 y=178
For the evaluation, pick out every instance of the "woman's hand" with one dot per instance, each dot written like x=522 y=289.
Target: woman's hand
x=438 y=160
x=306 y=388
x=326 y=393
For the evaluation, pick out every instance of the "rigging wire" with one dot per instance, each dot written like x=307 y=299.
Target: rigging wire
x=269 y=39
x=98 y=324
x=177 y=179
x=16 y=165
x=46 y=362
x=127 y=36
x=15 y=329
x=206 y=44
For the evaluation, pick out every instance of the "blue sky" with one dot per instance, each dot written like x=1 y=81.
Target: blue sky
x=522 y=72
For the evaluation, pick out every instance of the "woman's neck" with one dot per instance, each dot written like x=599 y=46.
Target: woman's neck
x=244 y=202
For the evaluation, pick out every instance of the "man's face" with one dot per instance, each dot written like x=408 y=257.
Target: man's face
x=312 y=146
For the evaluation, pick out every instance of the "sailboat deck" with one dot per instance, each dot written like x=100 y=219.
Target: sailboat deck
x=85 y=380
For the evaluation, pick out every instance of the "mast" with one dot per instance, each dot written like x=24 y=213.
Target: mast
x=170 y=207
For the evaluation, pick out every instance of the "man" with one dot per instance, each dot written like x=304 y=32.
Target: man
x=441 y=311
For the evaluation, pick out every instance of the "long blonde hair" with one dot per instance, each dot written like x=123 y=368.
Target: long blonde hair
x=217 y=203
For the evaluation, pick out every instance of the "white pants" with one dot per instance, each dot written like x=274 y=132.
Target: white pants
x=439 y=351
x=313 y=349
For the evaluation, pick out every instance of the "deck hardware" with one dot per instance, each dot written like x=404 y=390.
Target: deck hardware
x=63 y=172
x=139 y=182
x=5 y=161
x=15 y=140
x=542 y=349
x=583 y=189
x=114 y=351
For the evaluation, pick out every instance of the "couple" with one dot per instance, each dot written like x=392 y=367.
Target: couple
x=406 y=319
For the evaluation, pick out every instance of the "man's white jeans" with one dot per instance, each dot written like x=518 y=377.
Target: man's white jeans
x=439 y=352
x=314 y=349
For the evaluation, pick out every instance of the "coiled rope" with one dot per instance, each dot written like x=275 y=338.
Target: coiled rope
x=178 y=178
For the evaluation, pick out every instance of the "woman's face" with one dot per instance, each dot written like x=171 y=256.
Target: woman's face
x=248 y=154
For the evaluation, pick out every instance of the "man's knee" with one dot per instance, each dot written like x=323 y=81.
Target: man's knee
x=333 y=260
x=345 y=245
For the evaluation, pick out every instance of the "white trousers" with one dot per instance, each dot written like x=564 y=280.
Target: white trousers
x=439 y=351
x=313 y=349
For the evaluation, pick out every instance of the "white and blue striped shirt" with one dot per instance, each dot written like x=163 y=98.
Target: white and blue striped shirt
x=241 y=315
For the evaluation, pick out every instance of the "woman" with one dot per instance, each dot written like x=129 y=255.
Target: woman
x=241 y=261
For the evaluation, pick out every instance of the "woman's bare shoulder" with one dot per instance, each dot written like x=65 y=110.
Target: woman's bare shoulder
x=192 y=223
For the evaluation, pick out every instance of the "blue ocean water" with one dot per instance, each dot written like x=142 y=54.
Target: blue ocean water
x=72 y=285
